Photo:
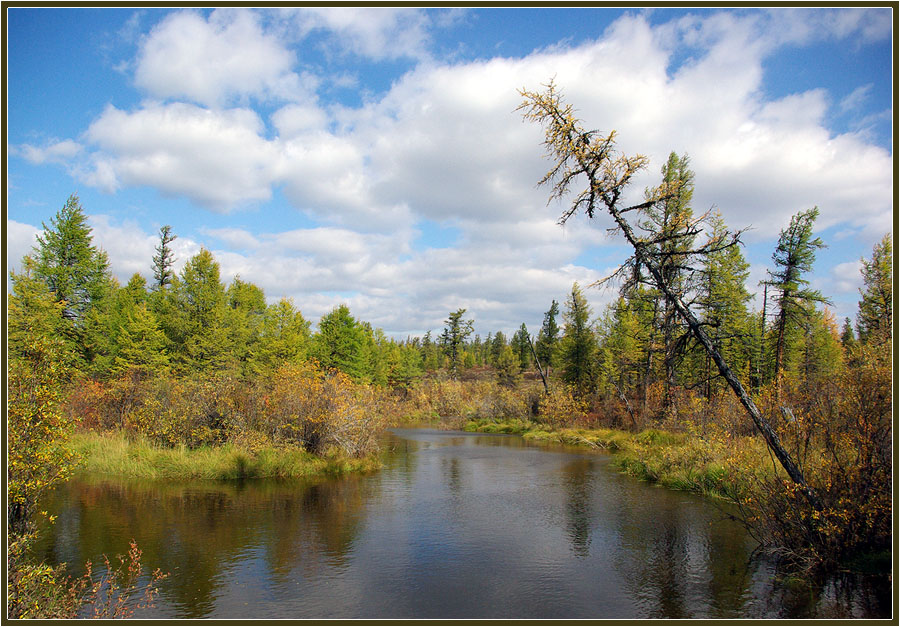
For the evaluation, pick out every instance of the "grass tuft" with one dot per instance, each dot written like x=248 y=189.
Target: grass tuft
x=114 y=454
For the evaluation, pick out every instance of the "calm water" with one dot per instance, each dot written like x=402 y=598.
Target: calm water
x=455 y=526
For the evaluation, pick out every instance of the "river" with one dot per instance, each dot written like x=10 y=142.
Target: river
x=454 y=526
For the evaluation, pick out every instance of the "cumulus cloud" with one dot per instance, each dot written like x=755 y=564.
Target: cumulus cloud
x=20 y=239
x=211 y=61
x=847 y=277
x=218 y=159
x=375 y=32
x=53 y=152
x=445 y=144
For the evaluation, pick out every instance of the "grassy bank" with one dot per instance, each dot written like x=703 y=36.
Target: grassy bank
x=115 y=455
x=712 y=465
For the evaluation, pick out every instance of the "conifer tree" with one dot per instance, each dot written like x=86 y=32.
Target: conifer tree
x=245 y=309
x=285 y=336
x=521 y=345
x=875 y=319
x=667 y=215
x=794 y=302
x=577 y=349
x=454 y=336
x=75 y=270
x=545 y=346
x=822 y=352
x=723 y=303
x=34 y=312
x=164 y=259
x=507 y=365
x=848 y=340
x=339 y=343
x=497 y=344
x=141 y=343
x=201 y=297
x=620 y=355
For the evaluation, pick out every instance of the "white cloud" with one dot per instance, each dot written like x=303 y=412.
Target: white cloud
x=54 y=152
x=375 y=32
x=444 y=143
x=218 y=159
x=855 y=99
x=210 y=61
x=20 y=239
x=846 y=277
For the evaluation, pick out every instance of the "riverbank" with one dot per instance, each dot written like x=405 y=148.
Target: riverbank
x=714 y=465
x=114 y=454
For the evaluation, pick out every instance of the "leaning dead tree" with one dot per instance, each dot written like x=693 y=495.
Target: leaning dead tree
x=579 y=153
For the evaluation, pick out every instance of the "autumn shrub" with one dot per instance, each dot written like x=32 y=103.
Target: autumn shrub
x=840 y=432
x=449 y=398
x=562 y=407
x=317 y=409
x=39 y=591
x=36 y=431
x=86 y=403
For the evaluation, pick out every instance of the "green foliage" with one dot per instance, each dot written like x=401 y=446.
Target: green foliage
x=404 y=364
x=455 y=333
x=521 y=346
x=622 y=348
x=577 y=351
x=723 y=302
x=545 y=346
x=284 y=338
x=37 y=370
x=205 y=342
x=164 y=259
x=73 y=268
x=340 y=344
x=244 y=320
x=794 y=257
x=875 y=320
x=508 y=367
x=142 y=344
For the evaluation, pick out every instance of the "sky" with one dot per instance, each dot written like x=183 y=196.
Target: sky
x=373 y=156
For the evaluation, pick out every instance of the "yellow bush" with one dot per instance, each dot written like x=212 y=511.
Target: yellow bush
x=562 y=407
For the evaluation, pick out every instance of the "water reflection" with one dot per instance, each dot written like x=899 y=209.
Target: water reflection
x=455 y=526
x=577 y=483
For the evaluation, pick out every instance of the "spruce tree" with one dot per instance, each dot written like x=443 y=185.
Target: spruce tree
x=875 y=319
x=75 y=270
x=453 y=337
x=545 y=346
x=848 y=340
x=521 y=345
x=164 y=259
x=794 y=302
x=577 y=349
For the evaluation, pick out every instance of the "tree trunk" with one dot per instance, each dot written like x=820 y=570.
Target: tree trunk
x=537 y=362
x=761 y=423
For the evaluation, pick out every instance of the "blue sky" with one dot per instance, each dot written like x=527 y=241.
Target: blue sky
x=373 y=156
